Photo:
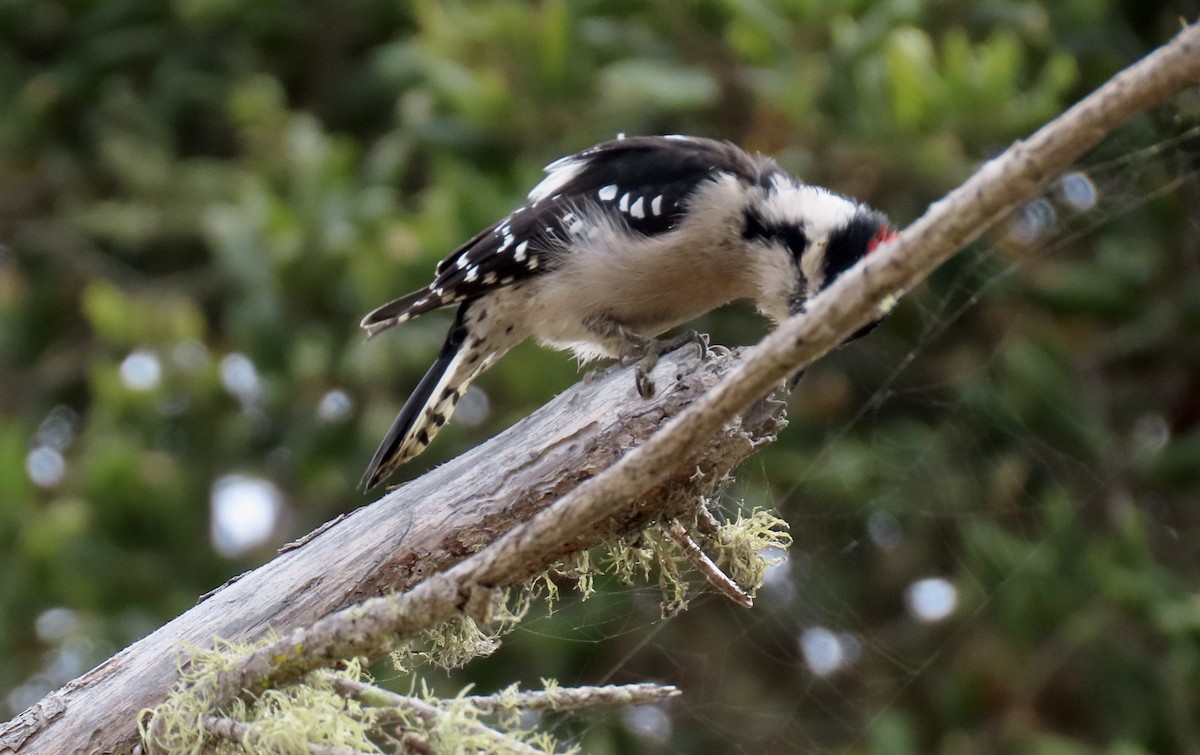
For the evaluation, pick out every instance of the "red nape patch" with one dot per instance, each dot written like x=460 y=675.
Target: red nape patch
x=885 y=233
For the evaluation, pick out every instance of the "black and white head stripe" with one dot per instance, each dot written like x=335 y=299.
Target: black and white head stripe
x=759 y=228
x=798 y=215
x=817 y=210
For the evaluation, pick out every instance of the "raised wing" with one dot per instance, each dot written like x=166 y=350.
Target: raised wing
x=643 y=183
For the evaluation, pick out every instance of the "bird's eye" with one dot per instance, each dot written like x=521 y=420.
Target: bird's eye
x=884 y=234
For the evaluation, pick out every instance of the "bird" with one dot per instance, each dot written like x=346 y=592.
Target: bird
x=618 y=244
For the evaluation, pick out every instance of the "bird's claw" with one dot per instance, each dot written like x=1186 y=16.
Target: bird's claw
x=644 y=356
x=641 y=378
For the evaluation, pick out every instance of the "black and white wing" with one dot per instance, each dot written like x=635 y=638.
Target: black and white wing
x=512 y=250
x=642 y=182
x=647 y=180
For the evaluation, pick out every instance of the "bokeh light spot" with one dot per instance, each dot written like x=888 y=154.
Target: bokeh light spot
x=141 y=370
x=45 y=466
x=823 y=651
x=58 y=428
x=473 y=409
x=1032 y=222
x=190 y=355
x=334 y=406
x=245 y=511
x=648 y=722
x=53 y=624
x=1078 y=191
x=240 y=377
x=884 y=530
x=931 y=599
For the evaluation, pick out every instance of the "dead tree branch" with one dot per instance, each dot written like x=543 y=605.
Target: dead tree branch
x=410 y=534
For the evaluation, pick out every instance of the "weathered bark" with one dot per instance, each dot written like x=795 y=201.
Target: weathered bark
x=417 y=530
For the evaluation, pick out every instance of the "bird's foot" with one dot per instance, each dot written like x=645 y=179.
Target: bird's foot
x=644 y=355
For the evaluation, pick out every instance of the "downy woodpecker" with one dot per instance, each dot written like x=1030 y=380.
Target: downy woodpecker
x=618 y=244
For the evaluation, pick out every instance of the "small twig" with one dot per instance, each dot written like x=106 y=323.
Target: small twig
x=222 y=586
x=707 y=523
x=577 y=698
x=298 y=542
x=246 y=734
x=369 y=694
x=559 y=698
x=706 y=566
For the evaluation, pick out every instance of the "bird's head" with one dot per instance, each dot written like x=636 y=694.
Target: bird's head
x=810 y=236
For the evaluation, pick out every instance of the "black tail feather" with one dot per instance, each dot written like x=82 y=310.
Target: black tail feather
x=386 y=456
x=401 y=310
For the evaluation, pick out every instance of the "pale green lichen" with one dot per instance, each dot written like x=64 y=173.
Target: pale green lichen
x=673 y=564
x=742 y=548
x=176 y=725
x=745 y=547
x=549 y=686
x=544 y=584
x=449 y=645
x=288 y=720
x=454 y=643
x=279 y=720
x=456 y=725
x=584 y=574
x=627 y=559
x=315 y=713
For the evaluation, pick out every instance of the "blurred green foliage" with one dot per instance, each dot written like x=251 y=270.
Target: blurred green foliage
x=199 y=199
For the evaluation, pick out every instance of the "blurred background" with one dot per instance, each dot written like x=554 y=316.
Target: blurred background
x=994 y=497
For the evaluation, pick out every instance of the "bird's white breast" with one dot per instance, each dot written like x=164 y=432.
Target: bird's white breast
x=647 y=283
